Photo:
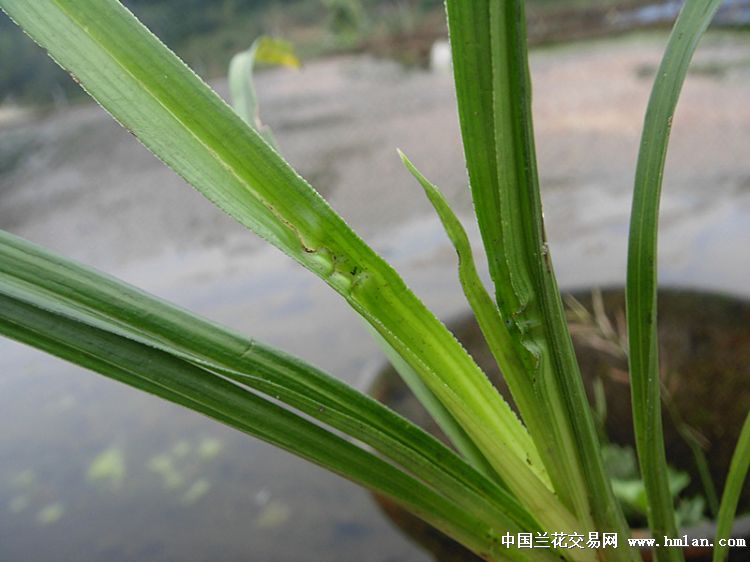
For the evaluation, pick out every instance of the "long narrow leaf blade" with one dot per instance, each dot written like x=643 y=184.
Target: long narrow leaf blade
x=692 y=22
x=732 y=491
x=178 y=381
x=38 y=278
x=151 y=92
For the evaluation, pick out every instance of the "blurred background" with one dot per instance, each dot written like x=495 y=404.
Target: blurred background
x=90 y=470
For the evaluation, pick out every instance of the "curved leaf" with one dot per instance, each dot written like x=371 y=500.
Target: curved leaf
x=645 y=380
x=34 y=276
x=178 y=381
x=152 y=93
x=496 y=333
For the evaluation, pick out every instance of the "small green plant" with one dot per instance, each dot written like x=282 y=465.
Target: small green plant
x=543 y=473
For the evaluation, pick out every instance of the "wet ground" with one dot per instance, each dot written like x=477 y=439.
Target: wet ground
x=92 y=470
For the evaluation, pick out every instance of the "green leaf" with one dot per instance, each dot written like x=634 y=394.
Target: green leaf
x=490 y=322
x=152 y=93
x=264 y=50
x=178 y=381
x=496 y=333
x=493 y=88
x=692 y=22
x=35 y=277
x=437 y=411
x=732 y=491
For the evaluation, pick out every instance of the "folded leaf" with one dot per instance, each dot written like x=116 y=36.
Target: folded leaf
x=178 y=381
x=38 y=278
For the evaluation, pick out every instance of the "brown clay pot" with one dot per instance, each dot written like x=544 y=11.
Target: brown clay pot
x=705 y=356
